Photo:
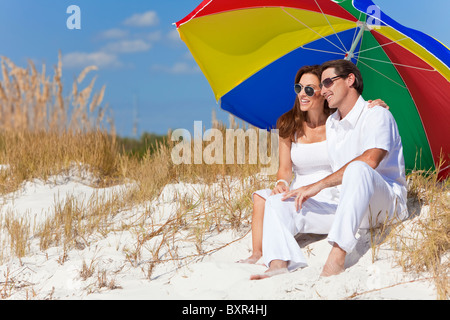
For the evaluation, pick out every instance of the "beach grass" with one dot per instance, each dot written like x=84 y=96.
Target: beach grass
x=424 y=246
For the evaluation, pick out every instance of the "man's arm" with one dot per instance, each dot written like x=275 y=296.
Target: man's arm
x=372 y=157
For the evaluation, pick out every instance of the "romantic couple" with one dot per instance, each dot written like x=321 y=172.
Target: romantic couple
x=348 y=171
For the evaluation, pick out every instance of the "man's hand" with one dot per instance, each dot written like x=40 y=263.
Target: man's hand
x=302 y=194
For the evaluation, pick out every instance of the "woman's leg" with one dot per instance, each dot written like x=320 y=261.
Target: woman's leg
x=281 y=223
x=257 y=229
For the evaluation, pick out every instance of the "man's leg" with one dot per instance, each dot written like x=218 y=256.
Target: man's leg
x=365 y=200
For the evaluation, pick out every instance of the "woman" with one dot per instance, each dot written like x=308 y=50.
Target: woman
x=302 y=150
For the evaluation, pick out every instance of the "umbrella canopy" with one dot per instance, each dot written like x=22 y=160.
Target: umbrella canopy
x=250 y=51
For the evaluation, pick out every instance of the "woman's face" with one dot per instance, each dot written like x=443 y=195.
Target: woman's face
x=308 y=103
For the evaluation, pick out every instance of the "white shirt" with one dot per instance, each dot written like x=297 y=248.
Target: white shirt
x=363 y=129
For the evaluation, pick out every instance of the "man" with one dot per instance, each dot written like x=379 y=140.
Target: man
x=366 y=156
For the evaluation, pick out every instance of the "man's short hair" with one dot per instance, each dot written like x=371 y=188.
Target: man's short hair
x=343 y=68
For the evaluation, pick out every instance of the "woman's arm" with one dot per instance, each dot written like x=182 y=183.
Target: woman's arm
x=285 y=169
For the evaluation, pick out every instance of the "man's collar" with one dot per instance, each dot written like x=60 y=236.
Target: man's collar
x=354 y=114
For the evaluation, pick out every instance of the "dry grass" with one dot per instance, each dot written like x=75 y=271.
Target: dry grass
x=31 y=155
x=19 y=232
x=33 y=101
x=43 y=133
x=424 y=244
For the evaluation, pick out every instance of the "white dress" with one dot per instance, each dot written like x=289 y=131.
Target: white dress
x=310 y=164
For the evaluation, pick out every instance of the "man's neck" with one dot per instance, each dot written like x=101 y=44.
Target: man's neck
x=348 y=104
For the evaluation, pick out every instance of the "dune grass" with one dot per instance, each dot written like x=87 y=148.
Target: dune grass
x=425 y=245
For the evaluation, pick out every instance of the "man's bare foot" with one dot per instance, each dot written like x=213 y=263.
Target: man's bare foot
x=269 y=273
x=252 y=259
x=335 y=263
x=331 y=269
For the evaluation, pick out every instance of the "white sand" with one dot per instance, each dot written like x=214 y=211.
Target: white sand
x=41 y=275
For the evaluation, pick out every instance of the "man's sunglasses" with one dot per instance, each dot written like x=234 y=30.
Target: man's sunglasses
x=328 y=82
x=308 y=89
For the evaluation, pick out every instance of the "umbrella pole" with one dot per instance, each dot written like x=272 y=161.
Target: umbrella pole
x=363 y=27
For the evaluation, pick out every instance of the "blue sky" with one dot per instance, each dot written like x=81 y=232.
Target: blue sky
x=148 y=72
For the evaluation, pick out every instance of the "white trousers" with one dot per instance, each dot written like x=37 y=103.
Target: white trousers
x=366 y=200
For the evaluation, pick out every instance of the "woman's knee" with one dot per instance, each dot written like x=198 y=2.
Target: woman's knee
x=274 y=200
x=258 y=204
x=258 y=200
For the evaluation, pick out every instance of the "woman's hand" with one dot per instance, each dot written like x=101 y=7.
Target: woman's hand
x=280 y=188
x=378 y=102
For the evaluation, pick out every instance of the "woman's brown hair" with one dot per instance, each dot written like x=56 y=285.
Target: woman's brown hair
x=292 y=121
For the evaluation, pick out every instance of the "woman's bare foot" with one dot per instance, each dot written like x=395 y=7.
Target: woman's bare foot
x=269 y=273
x=276 y=267
x=335 y=263
x=252 y=259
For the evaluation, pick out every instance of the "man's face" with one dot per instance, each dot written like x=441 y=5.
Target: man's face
x=337 y=91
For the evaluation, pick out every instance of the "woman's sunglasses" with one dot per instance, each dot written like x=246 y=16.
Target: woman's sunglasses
x=308 y=89
x=328 y=82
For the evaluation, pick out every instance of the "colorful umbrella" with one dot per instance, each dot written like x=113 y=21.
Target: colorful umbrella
x=250 y=51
